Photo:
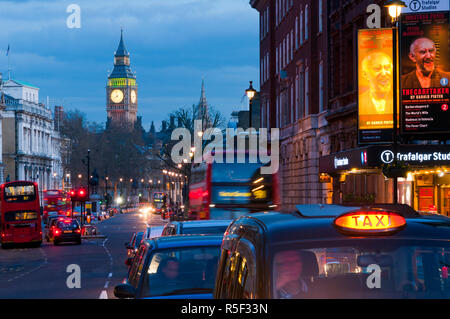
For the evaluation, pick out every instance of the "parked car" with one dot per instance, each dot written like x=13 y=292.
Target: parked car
x=50 y=226
x=104 y=215
x=175 y=267
x=153 y=232
x=133 y=246
x=218 y=226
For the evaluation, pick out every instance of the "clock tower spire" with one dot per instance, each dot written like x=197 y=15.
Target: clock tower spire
x=121 y=89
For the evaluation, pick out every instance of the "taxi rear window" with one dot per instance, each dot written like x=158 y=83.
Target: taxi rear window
x=68 y=224
x=393 y=269
x=204 y=230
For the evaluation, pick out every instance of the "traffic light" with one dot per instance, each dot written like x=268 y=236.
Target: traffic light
x=73 y=195
x=82 y=195
x=78 y=195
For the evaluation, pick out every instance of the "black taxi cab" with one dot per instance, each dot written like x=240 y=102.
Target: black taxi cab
x=333 y=251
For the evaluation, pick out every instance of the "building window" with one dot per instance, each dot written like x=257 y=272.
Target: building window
x=278 y=117
x=277 y=6
x=297 y=80
x=301 y=95
x=291 y=109
x=306 y=22
x=262 y=71
x=292 y=45
x=321 y=87
x=261 y=26
x=296 y=32
x=276 y=58
x=301 y=27
x=288 y=49
x=320 y=16
x=307 y=110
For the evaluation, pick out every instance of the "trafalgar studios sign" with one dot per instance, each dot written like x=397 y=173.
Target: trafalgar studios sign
x=417 y=6
x=387 y=157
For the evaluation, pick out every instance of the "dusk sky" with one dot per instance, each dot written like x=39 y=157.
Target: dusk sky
x=173 y=45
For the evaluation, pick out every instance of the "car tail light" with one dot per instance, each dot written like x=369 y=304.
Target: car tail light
x=78 y=231
x=57 y=232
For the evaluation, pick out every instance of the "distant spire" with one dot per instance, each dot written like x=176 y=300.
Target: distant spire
x=203 y=108
x=203 y=104
x=121 y=50
x=152 y=128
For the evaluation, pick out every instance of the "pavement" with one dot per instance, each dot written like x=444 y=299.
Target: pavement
x=49 y=272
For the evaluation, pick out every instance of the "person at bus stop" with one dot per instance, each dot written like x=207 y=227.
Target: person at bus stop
x=288 y=270
x=426 y=74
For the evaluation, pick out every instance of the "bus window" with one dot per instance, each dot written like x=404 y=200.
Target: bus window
x=18 y=193
x=234 y=173
x=20 y=216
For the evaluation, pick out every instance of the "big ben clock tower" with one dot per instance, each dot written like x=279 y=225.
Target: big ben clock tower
x=121 y=89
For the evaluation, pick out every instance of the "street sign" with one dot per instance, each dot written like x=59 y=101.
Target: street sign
x=419 y=6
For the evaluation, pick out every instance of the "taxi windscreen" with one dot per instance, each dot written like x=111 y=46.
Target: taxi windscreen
x=393 y=269
x=181 y=271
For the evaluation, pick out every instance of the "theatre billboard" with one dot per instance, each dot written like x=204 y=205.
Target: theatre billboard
x=375 y=86
x=425 y=74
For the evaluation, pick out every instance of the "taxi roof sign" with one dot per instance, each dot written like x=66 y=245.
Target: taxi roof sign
x=370 y=222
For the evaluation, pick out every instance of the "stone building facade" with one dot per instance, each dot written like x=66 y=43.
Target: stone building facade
x=31 y=146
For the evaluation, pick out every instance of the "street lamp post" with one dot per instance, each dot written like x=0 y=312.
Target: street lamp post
x=88 y=173
x=251 y=92
x=395 y=10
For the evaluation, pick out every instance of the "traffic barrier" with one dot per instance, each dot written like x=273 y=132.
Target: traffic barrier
x=90 y=231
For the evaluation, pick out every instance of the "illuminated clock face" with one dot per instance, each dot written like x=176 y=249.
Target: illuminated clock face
x=133 y=96
x=117 y=96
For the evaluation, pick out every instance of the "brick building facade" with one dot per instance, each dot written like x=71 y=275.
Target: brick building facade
x=293 y=89
x=308 y=57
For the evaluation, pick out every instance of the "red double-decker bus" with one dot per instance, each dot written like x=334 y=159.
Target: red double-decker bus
x=20 y=214
x=56 y=203
x=158 y=201
x=230 y=190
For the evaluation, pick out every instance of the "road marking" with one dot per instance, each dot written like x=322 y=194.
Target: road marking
x=33 y=269
x=103 y=295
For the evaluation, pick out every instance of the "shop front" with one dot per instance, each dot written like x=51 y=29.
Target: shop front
x=365 y=175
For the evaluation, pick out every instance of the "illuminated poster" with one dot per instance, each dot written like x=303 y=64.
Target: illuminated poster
x=375 y=85
x=425 y=66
